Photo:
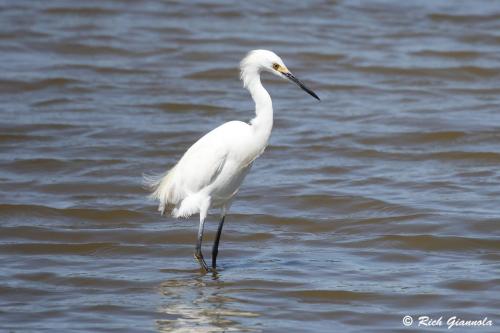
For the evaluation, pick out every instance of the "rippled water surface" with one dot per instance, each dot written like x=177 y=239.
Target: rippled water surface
x=379 y=202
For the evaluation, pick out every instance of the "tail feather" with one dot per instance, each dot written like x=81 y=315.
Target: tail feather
x=162 y=189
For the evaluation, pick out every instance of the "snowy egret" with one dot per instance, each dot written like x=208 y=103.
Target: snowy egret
x=211 y=171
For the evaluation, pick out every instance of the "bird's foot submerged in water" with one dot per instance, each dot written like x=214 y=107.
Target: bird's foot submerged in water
x=198 y=256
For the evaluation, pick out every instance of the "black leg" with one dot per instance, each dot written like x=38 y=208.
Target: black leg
x=215 y=248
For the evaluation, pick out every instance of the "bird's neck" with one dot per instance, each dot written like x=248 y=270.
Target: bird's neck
x=263 y=121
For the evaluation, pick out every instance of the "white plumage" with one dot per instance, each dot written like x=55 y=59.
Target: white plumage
x=211 y=171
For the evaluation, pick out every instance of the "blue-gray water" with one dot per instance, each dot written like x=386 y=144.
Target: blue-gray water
x=379 y=202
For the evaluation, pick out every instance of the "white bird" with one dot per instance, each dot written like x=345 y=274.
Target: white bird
x=211 y=171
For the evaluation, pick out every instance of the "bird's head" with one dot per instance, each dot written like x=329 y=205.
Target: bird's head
x=257 y=61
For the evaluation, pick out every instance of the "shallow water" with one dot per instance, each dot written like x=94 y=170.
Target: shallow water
x=379 y=202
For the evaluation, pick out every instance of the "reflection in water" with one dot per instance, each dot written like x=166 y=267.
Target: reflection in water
x=196 y=304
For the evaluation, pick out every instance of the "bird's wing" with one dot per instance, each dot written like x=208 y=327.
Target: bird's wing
x=200 y=166
x=205 y=159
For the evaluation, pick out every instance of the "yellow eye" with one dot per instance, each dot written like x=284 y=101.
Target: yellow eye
x=276 y=66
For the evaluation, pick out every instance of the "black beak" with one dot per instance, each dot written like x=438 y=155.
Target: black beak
x=301 y=85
